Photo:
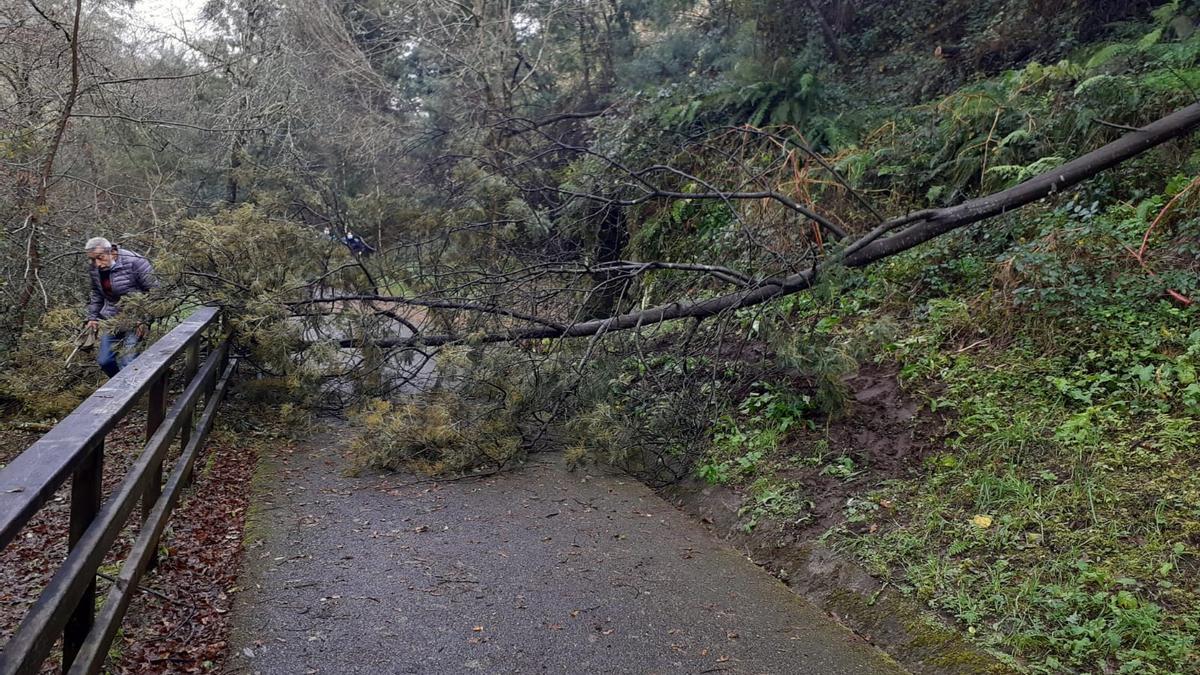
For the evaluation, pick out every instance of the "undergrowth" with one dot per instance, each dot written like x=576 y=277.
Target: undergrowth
x=1055 y=350
x=1059 y=523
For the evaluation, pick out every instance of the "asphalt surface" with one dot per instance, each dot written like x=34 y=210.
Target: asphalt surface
x=541 y=570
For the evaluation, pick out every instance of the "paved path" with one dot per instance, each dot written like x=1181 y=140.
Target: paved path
x=537 y=571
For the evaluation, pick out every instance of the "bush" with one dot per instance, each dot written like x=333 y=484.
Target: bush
x=433 y=434
x=36 y=381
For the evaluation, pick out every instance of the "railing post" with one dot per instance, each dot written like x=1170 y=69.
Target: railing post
x=226 y=336
x=156 y=410
x=86 y=483
x=224 y=333
x=191 y=364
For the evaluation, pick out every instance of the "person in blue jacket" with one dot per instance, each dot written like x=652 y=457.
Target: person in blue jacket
x=356 y=244
x=115 y=273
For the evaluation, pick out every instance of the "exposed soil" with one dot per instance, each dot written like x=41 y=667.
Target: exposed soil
x=888 y=433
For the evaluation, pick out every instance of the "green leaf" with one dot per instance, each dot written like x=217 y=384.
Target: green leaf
x=1126 y=600
x=1150 y=39
x=807 y=81
x=1021 y=135
x=1103 y=56
x=1186 y=373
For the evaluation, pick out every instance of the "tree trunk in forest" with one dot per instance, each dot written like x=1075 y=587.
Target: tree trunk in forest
x=584 y=62
x=498 y=73
x=829 y=33
x=609 y=286
x=235 y=162
x=33 y=257
x=244 y=80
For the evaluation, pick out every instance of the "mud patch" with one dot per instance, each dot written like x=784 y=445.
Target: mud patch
x=885 y=433
x=889 y=429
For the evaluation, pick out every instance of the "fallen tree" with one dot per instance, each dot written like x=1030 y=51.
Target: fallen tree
x=881 y=242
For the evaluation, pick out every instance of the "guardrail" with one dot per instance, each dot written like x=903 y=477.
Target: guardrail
x=75 y=448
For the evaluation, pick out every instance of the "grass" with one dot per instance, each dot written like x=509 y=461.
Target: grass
x=1060 y=522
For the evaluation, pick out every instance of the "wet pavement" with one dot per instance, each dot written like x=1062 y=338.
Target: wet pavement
x=540 y=570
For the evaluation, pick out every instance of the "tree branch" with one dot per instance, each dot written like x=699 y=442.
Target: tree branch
x=435 y=304
x=922 y=226
x=165 y=123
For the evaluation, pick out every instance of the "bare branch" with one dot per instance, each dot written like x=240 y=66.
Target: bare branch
x=924 y=226
x=166 y=123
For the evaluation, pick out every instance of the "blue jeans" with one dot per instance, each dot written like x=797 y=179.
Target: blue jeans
x=116 y=351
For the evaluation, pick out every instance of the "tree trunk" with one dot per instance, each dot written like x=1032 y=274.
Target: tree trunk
x=235 y=162
x=609 y=286
x=827 y=30
x=33 y=257
x=920 y=227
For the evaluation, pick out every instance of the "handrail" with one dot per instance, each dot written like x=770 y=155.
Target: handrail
x=75 y=447
x=92 y=653
x=31 y=479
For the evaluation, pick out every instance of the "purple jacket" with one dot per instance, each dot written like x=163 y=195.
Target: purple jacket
x=130 y=273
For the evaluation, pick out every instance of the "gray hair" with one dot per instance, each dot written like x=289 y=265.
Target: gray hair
x=97 y=243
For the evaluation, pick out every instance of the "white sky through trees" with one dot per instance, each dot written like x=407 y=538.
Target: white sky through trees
x=163 y=18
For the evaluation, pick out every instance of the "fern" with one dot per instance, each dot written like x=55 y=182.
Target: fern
x=761 y=99
x=1018 y=138
x=1011 y=174
x=1105 y=55
x=1164 y=14
x=958 y=546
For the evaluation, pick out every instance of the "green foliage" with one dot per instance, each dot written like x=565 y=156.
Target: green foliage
x=649 y=416
x=827 y=361
x=997 y=132
x=487 y=409
x=777 y=408
x=1055 y=524
x=253 y=265
x=741 y=439
x=779 y=501
x=687 y=228
x=782 y=94
x=433 y=434
x=842 y=467
x=38 y=383
x=786 y=100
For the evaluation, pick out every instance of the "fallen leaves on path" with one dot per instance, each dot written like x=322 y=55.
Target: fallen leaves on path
x=189 y=634
x=179 y=622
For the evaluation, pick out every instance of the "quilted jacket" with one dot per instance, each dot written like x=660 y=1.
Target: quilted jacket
x=130 y=273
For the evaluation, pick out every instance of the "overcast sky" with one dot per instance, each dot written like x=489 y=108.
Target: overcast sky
x=164 y=15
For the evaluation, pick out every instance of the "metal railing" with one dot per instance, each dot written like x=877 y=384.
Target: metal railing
x=75 y=448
